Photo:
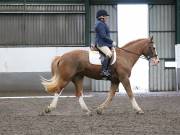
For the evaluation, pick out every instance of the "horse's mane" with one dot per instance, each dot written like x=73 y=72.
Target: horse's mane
x=132 y=42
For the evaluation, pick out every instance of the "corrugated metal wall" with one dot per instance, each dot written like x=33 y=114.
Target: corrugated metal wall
x=42 y=25
x=98 y=85
x=162 y=27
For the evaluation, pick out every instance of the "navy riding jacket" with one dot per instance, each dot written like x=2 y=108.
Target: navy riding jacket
x=102 y=34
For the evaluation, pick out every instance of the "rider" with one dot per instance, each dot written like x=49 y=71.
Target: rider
x=103 y=41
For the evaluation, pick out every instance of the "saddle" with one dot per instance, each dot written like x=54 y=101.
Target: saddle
x=95 y=57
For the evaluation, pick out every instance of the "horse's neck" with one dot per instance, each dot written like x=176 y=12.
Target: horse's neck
x=133 y=52
x=135 y=47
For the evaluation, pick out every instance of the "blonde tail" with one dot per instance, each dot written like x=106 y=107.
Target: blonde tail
x=52 y=85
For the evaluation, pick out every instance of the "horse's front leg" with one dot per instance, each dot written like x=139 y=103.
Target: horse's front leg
x=108 y=100
x=127 y=86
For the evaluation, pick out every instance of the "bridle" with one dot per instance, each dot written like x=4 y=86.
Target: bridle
x=150 y=53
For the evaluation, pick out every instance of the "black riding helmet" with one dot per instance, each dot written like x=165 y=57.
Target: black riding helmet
x=101 y=13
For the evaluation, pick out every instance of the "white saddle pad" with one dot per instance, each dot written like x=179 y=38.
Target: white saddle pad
x=94 y=57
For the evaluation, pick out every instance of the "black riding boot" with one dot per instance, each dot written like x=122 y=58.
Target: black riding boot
x=105 y=68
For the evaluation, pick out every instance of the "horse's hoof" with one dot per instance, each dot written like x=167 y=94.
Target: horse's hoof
x=42 y=114
x=99 y=111
x=89 y=113
x=47 y=110
x=140 y=112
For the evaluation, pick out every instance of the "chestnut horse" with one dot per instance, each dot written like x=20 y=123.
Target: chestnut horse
x=74 y=65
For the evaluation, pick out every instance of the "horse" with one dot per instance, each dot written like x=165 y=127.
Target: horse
x=74 y=65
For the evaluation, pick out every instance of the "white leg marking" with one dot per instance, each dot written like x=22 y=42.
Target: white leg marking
x=54 y=101
x=83 y=104
x=135 y=105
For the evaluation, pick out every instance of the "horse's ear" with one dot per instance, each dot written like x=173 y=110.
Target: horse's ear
x=151 y=38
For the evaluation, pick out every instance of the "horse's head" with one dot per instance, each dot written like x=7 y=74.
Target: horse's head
x=150 y=52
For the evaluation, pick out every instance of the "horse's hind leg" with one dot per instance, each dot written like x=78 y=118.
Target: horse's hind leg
x=130 y=94
x=78 y=82
x=108 y=100
x=53 y=103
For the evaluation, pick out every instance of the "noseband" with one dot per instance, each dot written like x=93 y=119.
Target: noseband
x=150 y=54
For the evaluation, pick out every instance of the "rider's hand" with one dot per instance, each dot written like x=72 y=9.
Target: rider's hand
x=113 y=48
x=114 y=44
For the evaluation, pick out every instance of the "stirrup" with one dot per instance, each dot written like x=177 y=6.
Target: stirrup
x=105 y=75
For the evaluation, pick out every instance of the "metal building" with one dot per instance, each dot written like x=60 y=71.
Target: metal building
x=162 y=26
x=32 y=32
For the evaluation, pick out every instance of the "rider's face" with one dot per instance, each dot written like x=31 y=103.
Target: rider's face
x=104 y=18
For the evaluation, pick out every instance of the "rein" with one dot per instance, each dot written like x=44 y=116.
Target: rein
x=142 y=57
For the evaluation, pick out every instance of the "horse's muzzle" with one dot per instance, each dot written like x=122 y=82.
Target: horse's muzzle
x=154 y=61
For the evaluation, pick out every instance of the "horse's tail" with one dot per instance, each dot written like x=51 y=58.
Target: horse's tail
x=52 y=84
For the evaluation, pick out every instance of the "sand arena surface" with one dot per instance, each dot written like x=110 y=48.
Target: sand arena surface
x=162 y=116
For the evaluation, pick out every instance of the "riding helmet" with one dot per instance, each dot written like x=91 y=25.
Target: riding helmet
x=101 y=13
